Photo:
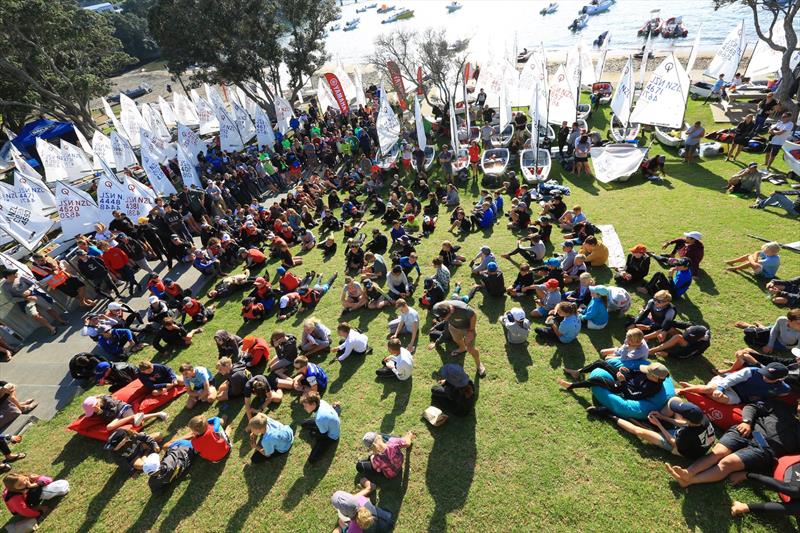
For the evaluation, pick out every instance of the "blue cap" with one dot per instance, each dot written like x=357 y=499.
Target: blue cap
x=568 y=244
x=281 y=271
x=552 y=262
x=492 y=266
x=100 y=370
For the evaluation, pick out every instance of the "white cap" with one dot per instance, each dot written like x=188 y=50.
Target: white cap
x=151 y=464
x=115 y=306
x=796 y=352
x=153 y=299
x=517 y=313
x=284 y=301
x=696 y=235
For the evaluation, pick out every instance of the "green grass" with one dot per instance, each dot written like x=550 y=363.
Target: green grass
x=529 y=458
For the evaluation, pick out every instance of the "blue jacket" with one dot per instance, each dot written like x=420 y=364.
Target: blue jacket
x=596 y=312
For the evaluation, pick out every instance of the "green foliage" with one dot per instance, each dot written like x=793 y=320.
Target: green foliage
x=131 y=28
x=56 y=58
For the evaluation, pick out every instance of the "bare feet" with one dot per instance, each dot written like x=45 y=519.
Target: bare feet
x=642 y=290
x=739 y=508
x=679 y=474
x=563 y=383
x=742 y=325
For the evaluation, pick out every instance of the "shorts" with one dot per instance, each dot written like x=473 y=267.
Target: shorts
x=32 y=308
x=692 y=149
x=579 y=159
x=773 y=149
x=71 y=287
x=281 y=363
x=542 y=310
x=755 y=459
x=733 y=398
x=462 y=336
x=666 y=445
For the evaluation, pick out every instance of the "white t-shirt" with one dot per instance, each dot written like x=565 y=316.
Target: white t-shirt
x=403 y=364
x=409 y=319
x=786 y=132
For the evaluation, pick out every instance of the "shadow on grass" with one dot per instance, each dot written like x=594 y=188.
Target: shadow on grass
x=312 y=475
x=96 y=506
x=520 y=358
x=402 y=394
x=76 y=449
x=259 y=479
x=347 y=369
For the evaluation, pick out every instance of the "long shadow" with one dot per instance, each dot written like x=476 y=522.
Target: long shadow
x=151 y=511
x=569 y=355
x=451 y=468
x=520 y=358
x=705 y=283
x=201 y=480
x=492 y=306
x=74 y=452
x=100 y=501
x=312 y=475
x=259 y=479
x=348 y=368
x=402 y=394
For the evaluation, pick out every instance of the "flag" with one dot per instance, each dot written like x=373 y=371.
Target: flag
x=420 y=89
x=397 y=83
x=338 y=92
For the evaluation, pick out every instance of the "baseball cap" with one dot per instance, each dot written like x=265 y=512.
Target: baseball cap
x=187 y=300
x=552 y=262
x=281 y=271
x=492 y=266
x=516 y=314
x=151 y=464
x=657 y=370
x=454 y=375
x=369 y=439
x=153 y=299
x=568 y=244
x=774 y=371
x=551 y=284
x=689 y=411
x=486 y=250
x=639 y=249
x=100 y=370
x=696 y=235
x=121 y=235
x=695 y=333
x=114 y=306
x=89 y=404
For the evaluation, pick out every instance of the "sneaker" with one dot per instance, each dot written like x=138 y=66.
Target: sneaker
x=601 y=411
x=163 y=416
x=482 y=371
x=369 y=350
x=137 y=419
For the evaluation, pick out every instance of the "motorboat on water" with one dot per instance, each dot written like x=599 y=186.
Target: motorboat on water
x=385 y=9
x=620 y=133
x=579 y=23
x=400 y=15
x=651 y=27
x=454 y=6
x=597 y=7
x=389 y=160
x=671 y=138
x=430 y=155
x=524 y=56
x=598 y=42
x=352 y=24
x=362 y=9
x=335 y=27
x=495 y=161
x=535 y=165
x=673 y=28
x=550 y=9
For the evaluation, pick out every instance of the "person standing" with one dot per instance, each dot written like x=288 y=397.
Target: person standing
x=765 y=108
x=692 y=144
x=780 y=133
x=461 y=323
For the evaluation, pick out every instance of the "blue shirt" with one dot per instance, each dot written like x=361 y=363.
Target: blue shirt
x=93 y=251
x=396 y=233
x=487 y=219
x=278 y=438
x=406 y=264
x=115 y=344
x=569 y=328
x=769 y=265
x=160 y=377
x=682 y=280
x=201 y=376
x=327 y=420
x=316 y=376
x=596 y=312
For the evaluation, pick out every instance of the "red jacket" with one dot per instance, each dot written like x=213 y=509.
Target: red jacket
x=17 y=504
x=115 y=259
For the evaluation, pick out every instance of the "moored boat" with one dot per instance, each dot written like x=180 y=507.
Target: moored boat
x=597 y=7
x=579 y=23
x=673 y=28
x=550 y=9
x=495 y=161
x=535 y=167
x=454 y=6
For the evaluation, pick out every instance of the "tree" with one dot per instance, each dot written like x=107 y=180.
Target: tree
x=243 y=42
x=767 y=15
x=134 y=34
x=58 y=57
x=442 y=61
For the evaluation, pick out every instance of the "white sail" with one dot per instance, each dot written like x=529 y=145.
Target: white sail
x=154 y=122
x=161 y=149
x=729 y=55
x=33 y=193
x=766 y=61
x=347 y=84
x=76 y=161
x=124 y=194
x=645 y=56
x=562 y=106
x=229 y=138
x=123 y=152
x=283 y=112
x=527 y=80
x=188 y=168
x=694 y=52
x=361 y=98
x=205 y=114
x=190 y=141
x=454 y=131
x=101 y=146
x=601 y=62
x=588 y=76
x=422 y=141
x=131 y=119
x=663 y=99
x=505 y=115
x=184 y=110
x=265 y=135
x=26 y=225
x=243 y=123
x=155 y=174
x=82 y=142
x=387 y=125
x=22 y=165
x=77 y=210
x=213 y=96
x=622 y=100
x=53 y=160
x=167 y=112
x=324 y=96
x=573 y=67
x=110 y=114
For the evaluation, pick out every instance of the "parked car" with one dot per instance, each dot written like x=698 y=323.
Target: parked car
x=134 y=93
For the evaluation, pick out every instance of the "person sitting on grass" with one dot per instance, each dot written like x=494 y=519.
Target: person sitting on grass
x=582 y=295
x=679 y=282
x=595 y=251
x=309 y=377
x=595 y=316
x=454 y=393
x=375 y=268
x=750 y=384
x=693 y=341
x=782 y=336
x=386 y=456
x=516 y=326
x=25 y=494
x=637 y=266
x=550 y=269
x=268 y=438
x=764 y=263
x=657 y=316
x=328 y=247
x=746 y=181
x=207 y=437
x=5 y=449
x=767 y=431
x=548 y=295
x=789 y=488
x=631 y=384
x=197 y=380
x=480 y=263
x=450 y=256
x=266 y=391
x=353 y=342
x=397 y=284
x=406 y=322
x=252 y=310
x=172 y=336
x=115 y=375
x=785 y=292
x=234 y=378
x=358 y=514
x=116 y=413
x=199 y=313
x=315 y=338
x=325 y=425
x=399 y=364
x=128 y=448
x=563 y=326
x=567 y=255
x=353 y=295
x=524 y=282
x=163 y=472
x=633 y=349
x=574 y=272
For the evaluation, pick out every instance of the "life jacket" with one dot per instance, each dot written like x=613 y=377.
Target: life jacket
x=289 y=282
x=174 y=290
x=211 y=445
x=156 y=286
x=193 y=308
x=52 y=278
x=253 y=312
x=256 y=348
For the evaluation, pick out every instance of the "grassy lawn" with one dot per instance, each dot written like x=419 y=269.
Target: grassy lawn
x=529 y=458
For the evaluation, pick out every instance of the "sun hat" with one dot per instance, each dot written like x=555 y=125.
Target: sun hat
x=656 y=370
x=638 y=249
x=89 y=405
x=516 y=314
x=115 y=306
x=152 y=299
x=696 y=235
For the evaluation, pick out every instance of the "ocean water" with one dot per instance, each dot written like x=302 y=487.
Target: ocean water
x=493 y=24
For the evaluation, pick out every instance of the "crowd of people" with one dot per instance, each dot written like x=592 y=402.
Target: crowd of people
x=332 y=187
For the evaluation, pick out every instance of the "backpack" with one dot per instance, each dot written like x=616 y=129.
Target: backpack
x=288 y=348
